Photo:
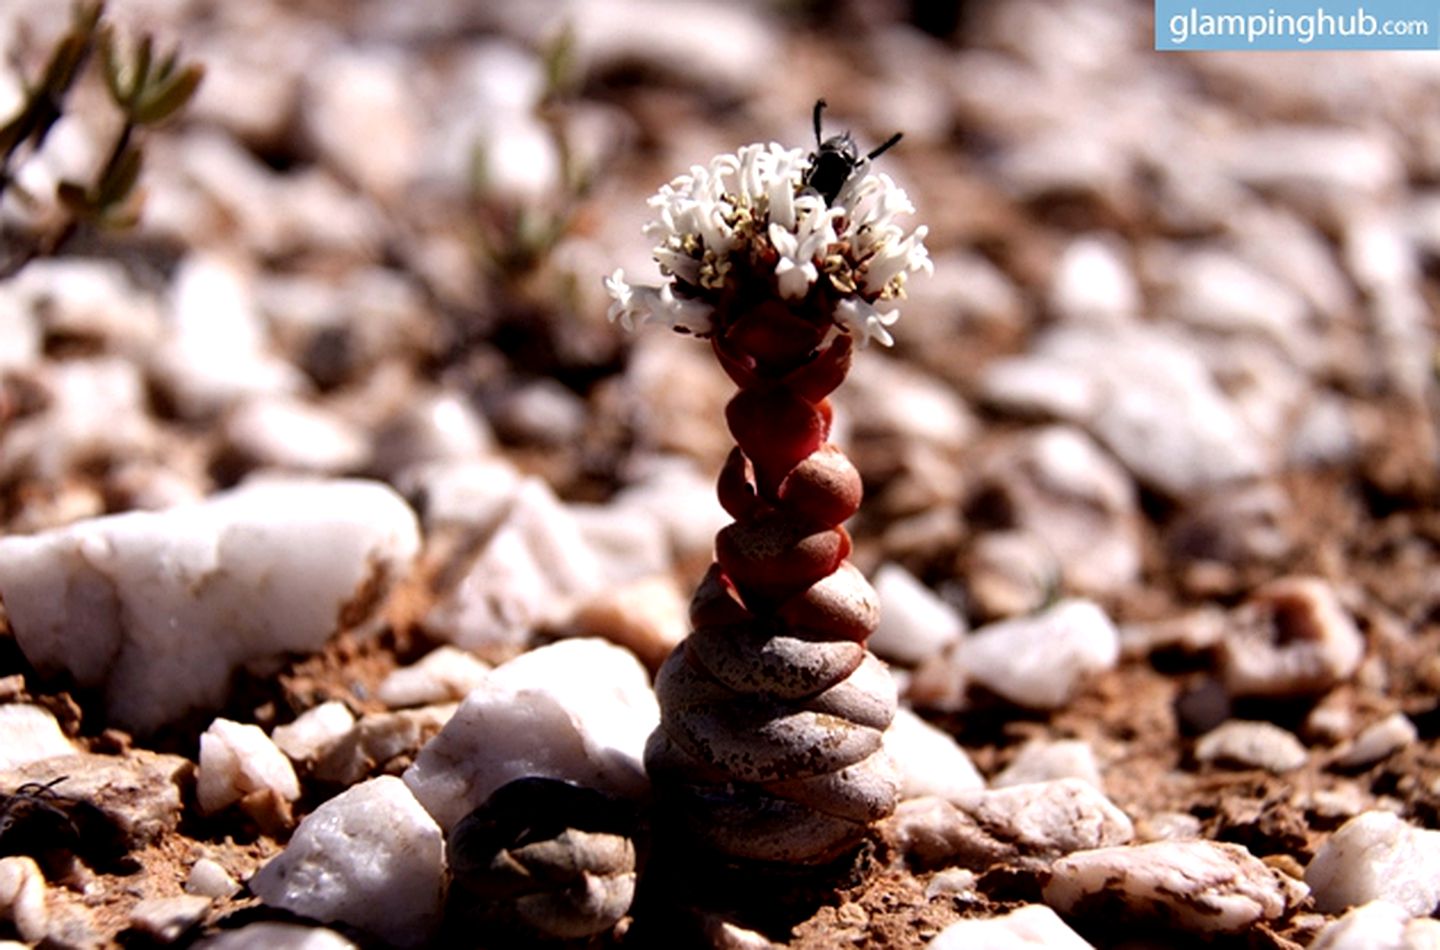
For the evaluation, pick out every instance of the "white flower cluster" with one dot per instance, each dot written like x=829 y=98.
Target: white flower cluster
x=716 y=224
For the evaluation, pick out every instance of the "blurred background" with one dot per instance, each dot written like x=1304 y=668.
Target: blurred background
x=1182 y=311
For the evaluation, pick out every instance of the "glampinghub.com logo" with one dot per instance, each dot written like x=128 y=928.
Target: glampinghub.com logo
x=1303 y=25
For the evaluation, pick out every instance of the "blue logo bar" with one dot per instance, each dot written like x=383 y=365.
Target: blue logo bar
x=1297 y=24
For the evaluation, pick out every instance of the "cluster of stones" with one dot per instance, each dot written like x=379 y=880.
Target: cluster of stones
x=773 y=712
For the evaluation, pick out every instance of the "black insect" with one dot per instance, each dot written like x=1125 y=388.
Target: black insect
x=835 y=159
x=54 y=830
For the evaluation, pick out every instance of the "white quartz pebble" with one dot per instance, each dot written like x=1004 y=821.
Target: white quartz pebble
x=158 y=609
x=22 y=897
x=1025 y=824
x=1375 y=742
x=1145 y=393
x=929 y=760
x=1094 y=282
x=533 y=565
x=1379 y=925
x=1041 y=761
x=1040 y=661
x=315 y=731
x=166 y=919
x=1292 y=637
x=30 y=734
x=579 y=710
x=217 y=350
x=1260 y=745
x=1202 y=886
x=238 y=759
x=915 y=624
x=270 y=935
x=445 y=674
x=648 y=616
x=287 y=433
x=1377 y=856
x=208 y=878
x=370 y=858
x=1058 y=486
x=1033 y=925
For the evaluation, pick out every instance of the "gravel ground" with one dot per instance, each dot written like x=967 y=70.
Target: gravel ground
x=1151 y=475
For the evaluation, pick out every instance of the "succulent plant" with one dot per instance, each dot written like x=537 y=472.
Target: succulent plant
x=773 y=712
x=542 y=858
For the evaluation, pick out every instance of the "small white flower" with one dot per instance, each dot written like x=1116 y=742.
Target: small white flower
x=622 y=296
x=715 y=224
x=863 y=320
x=636 y=305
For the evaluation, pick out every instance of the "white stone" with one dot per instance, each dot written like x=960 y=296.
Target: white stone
x=1026 y=824
x=286 y=433
x=648 y=617
x=1292 y=637
x=1009 y=574
x=22 y=897
x=1044 y=761
x=726 y=47
x=218 y=351
x=915 y=624
x=238 y=759
x=1039 y=662
x=678 y=497
x=378 y=740
x=1324 y=435
x=1379 y=925
x=366 y=95
x=1316 y=160
x=94 y=409
x=522 y=162
x=1377 y=856
x=370 y=858
x=1094 y=282
x=30 y=734
x=884 y=396
x=1145 y=393
x=579 y=710
x=1218 y=292
x=1379 y=740
x=952 y=882
x=1033 y=925
x=91 y=298
x=208 y=878
x=930 y=762
x=268 y=935
x=543 y=412
x=530 y=571
x=20 y=337
x=631 y=542
x=315 y=731
x=461 y=493
x=222 y=185
x=1058 y=485
x=441 y=427
x=1244 y=524
x=166 y=919
x=1200 y=886
x=159 y=608
x=1168 y=826
x=1261 y=745
x=445 y=674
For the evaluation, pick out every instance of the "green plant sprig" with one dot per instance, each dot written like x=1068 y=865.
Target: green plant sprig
x=145 y=89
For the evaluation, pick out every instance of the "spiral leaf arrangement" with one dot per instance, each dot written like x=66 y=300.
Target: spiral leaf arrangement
x=772 y=712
